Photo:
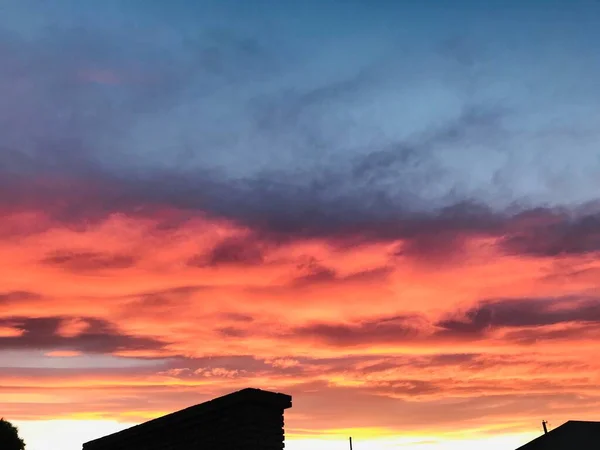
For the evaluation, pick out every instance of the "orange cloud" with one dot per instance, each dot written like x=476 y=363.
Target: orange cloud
x=123 y=309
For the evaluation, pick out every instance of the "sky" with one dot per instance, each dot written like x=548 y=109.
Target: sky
x=389 y=210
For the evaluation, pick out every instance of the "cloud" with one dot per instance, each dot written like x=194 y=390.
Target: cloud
x=166 y=296
x=15 y=297
x=522 y=319
x=567 y=332
x=218 y=372
x=85 y=261
x=394 y=329
x=522 y=313
x=314 y=273
x=546 y=233
x=246 y=365
x=372 y=139
x=309 y=143
x=99 y=337
x=232 y=251
x=376 y=409
x=168 y=302
x=372 y=192
x=431 y=236
x=234 y=332
x=401 y=189
x=237 y=317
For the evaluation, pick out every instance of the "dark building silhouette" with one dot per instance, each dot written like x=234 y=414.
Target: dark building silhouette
x=250 y=419
x=572 y=435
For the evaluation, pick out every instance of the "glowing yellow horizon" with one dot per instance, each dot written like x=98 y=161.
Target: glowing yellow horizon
x=71 y=434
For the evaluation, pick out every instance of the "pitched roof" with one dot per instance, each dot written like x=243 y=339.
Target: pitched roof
x=248 y=395
x=571 y=435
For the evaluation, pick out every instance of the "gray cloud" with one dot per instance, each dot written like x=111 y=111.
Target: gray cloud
x=76 y=261
x=314 y=273
x=523 y=319
x=233 y=251
x=381 y=330
x=522 y=313
x=99 y=336
x=162 y=301
x=553 y=234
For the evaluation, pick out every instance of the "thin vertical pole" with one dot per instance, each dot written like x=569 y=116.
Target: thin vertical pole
x=350 y=442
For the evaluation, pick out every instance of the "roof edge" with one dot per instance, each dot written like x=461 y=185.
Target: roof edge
x=244 y=396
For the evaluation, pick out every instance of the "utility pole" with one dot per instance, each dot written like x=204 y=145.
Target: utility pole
x=350 y=442
x=545 y=425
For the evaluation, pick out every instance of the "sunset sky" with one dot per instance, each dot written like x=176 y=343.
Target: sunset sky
x=389 y=210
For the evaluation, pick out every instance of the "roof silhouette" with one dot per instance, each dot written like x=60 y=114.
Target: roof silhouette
x=572 y=435
x=166 y=422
